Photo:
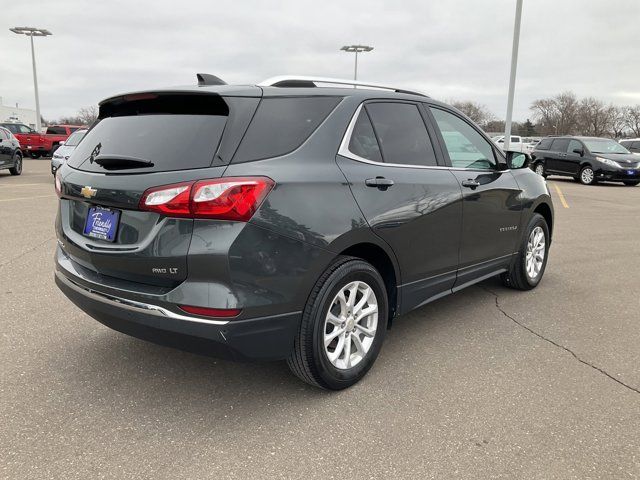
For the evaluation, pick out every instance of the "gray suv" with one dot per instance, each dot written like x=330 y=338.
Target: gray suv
x=289 y=220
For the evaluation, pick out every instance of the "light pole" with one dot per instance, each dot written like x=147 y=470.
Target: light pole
x=33 y=32
x=356 y=49
x=512 y=77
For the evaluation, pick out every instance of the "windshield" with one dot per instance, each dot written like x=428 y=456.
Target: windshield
x=74 y=138
x=604 y=146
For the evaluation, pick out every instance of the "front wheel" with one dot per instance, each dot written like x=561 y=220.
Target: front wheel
x=343 y=326
x=35 y=154
x=632 y=183
x=528 y=267
x=587 y=176
x=17 y=165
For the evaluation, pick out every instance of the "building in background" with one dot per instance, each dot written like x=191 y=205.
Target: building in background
x=17 y=115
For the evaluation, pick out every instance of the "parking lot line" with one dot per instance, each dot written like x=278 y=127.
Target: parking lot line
x=25 y=198
x=561 y=195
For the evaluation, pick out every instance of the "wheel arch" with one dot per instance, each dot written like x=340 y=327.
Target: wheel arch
x=384 y=262
x=543 y=208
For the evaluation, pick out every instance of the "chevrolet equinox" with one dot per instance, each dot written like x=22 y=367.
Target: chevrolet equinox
x=293 y=219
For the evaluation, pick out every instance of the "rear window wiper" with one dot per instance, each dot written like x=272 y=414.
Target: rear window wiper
x=115 y=162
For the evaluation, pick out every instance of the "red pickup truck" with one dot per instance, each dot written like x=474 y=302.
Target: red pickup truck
x=37 y=144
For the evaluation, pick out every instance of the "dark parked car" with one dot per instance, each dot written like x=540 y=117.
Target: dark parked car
x=10 y=154
x=587 y=159
x=631 y=144
x=288 y=220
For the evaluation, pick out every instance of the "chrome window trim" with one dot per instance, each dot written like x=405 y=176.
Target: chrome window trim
x=134 y=305
x=345 y=152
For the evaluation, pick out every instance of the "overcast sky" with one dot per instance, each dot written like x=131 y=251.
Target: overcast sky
x=450 y=49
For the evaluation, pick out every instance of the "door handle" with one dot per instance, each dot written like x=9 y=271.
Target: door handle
x=472 y=184
x=380 y=183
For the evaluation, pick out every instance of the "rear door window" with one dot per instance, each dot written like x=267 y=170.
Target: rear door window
x=402 y=134
x=281 y=125
x=560 y=145
x=173 y=132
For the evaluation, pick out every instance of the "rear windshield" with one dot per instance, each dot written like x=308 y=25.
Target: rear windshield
x=173 y=132
x=282 y=124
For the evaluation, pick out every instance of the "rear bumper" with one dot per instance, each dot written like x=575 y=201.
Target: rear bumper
x=265 y=338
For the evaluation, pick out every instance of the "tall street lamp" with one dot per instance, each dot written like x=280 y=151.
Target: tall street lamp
x=33 y=32
x=512 y=76
x=356 y=49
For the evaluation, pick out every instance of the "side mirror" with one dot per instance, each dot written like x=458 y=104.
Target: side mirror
x=61 y=143
x=579 y=151
x=517 y=160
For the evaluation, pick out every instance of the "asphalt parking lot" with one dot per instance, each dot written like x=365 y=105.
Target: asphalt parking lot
x=487 y=383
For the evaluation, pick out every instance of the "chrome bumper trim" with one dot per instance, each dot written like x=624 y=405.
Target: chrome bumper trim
x=133 y=305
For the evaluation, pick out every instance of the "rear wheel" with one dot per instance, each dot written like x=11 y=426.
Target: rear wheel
x=17 y=165
x=587 y=176
x=528 y=268
x=632 y=183
x=343 y=326
x=539 y=169
x=35 y=154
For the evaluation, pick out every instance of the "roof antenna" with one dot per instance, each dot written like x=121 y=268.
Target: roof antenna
x=208 y=79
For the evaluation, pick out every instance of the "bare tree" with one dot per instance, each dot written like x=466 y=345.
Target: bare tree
x=88 y=115
x=475 y=111
x=632 y=117
x=618 y=121
x=85 y=116
x=557 y=115
x=595 y=117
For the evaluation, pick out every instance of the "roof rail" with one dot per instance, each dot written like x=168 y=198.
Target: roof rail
x=306 y=81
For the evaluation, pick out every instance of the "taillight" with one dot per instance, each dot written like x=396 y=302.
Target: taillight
x=231 y=198
x=170 y=200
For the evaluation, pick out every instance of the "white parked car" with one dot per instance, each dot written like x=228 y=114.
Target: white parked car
x=65 y=149
x=515 y=145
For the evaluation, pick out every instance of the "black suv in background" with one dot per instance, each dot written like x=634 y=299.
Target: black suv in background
x=10 y=153
x=587 y=159
x=288 y=220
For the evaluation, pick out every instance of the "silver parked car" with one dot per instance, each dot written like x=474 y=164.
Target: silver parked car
x=66 y=148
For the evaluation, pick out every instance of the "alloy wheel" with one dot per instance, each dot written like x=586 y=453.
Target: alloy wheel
x=540 y=169
x=535 y=252
x=350 y=325
x=587 y=175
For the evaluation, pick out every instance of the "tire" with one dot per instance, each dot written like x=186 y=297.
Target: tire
x=518 y=276
x=587 y=176
x=35 y=154
x=17 y=165
x=632 y=183
x=539 y=169
x=310 y=359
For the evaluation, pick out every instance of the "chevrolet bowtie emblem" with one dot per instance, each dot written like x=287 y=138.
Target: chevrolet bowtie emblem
x=88 y=192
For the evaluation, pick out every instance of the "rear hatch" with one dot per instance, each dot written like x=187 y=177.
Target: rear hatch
x=142 y=141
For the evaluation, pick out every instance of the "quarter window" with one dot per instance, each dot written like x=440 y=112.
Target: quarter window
x=401 y=133
x=466 y=147
x=363 y=140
